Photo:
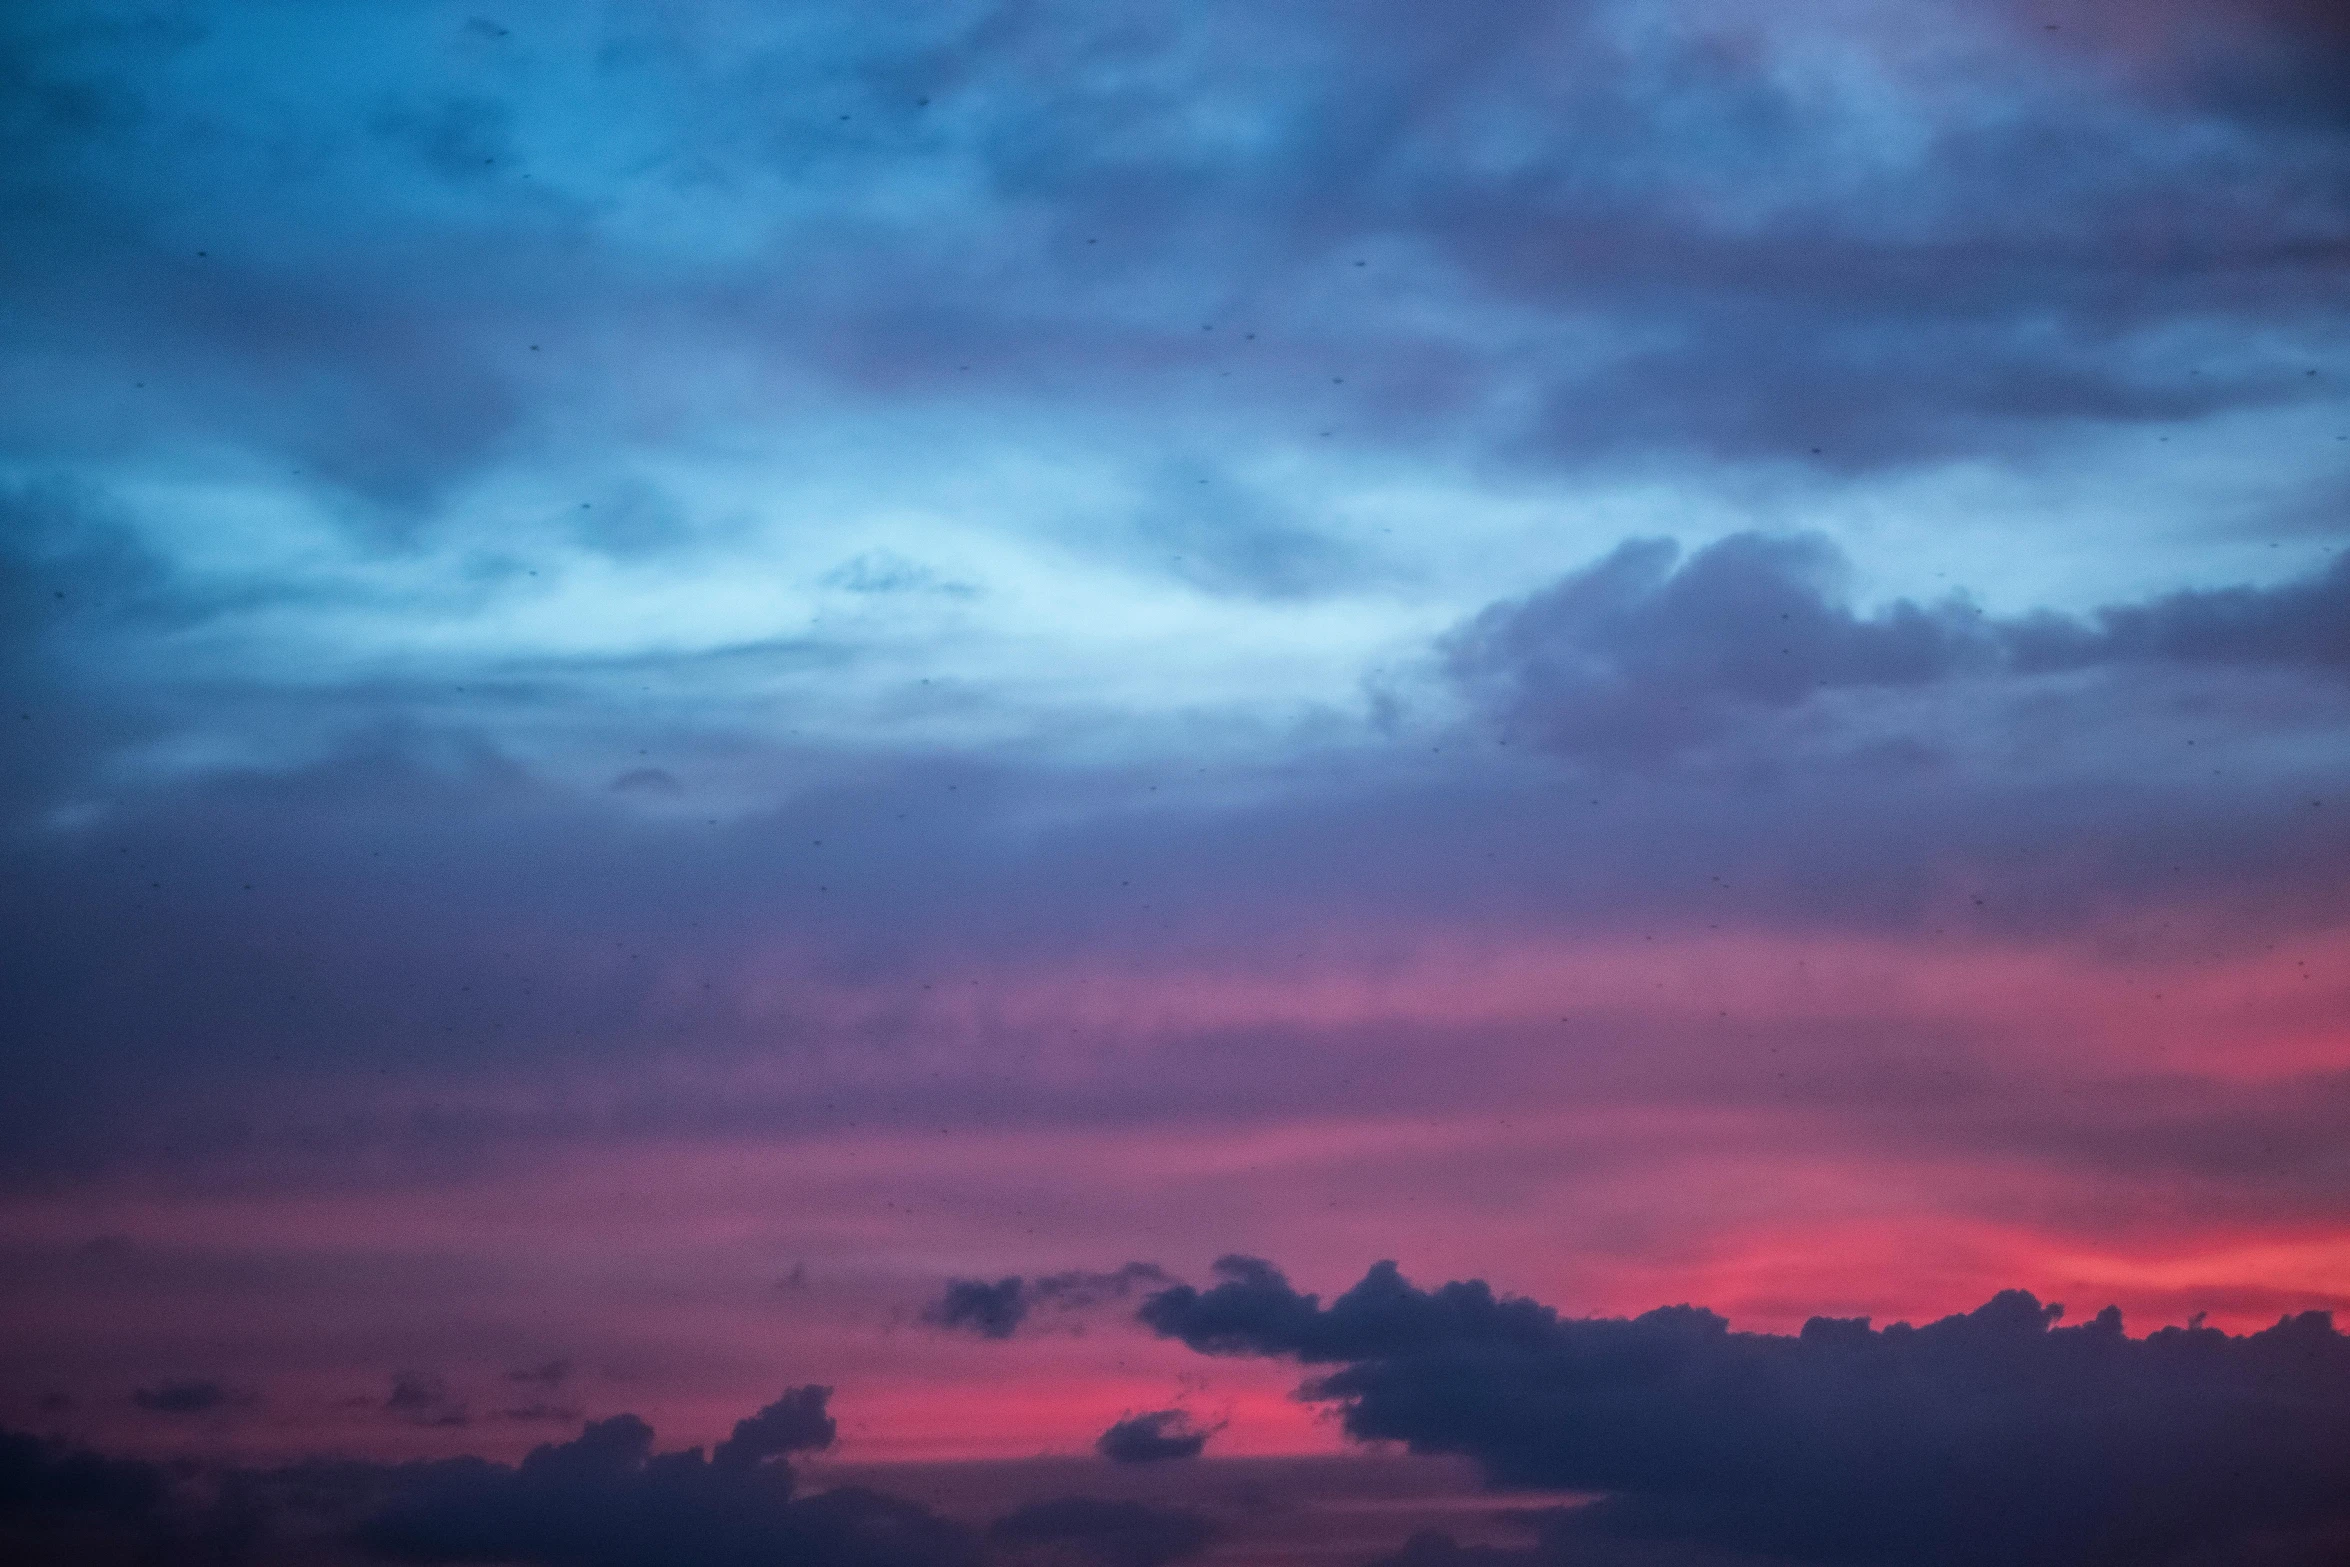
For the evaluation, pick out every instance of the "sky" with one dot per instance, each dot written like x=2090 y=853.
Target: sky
x=710 y=699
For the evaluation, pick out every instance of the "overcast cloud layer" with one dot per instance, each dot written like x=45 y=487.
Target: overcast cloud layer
x=676 y=672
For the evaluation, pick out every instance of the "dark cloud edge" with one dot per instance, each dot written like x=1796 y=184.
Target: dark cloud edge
x=605 y=1498
x=1994 y=1436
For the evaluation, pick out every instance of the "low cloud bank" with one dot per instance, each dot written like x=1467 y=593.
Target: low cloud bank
x=1996 y=1436
x=606 y=1498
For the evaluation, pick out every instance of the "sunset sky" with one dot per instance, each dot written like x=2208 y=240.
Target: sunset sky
x=677 y=673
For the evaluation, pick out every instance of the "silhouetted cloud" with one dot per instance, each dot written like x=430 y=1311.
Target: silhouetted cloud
x=1085 y=1531
x=794 y=1423
x=1153 y=1436
x=997 y=1310
x=1993 y=1437
x=989 y=1310
x=607 y=1499
x=603 y=1499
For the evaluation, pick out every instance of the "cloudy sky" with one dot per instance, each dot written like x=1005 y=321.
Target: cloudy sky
x=686 y=681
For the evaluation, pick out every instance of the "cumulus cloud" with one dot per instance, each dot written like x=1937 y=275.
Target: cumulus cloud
x=1643 y=653
x=607 y=1499
x=1997 y=1436
x=1154 y=1436
x=794 y=1423
x=1647 y=653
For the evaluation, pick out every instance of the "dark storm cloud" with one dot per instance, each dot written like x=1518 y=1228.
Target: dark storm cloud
x=1993 y=1437
x=1100 y=1533
x=1645 y=653
x=997 y=1310
x=1154 y=1436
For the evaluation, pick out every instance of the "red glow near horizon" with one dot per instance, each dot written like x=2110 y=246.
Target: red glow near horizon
x=1772 y=1127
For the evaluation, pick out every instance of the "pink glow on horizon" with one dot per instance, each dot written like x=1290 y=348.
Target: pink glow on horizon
x=664 y=1267
x=1772 y=1125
